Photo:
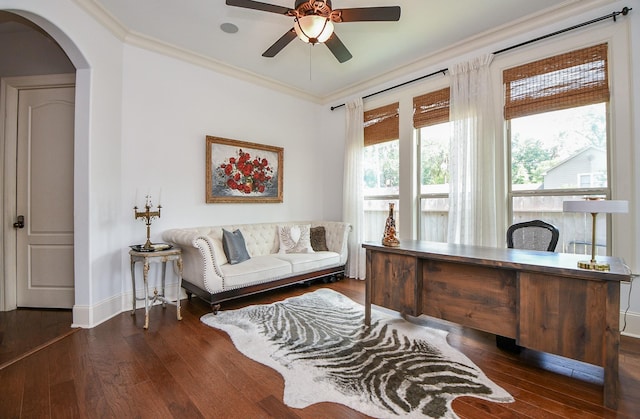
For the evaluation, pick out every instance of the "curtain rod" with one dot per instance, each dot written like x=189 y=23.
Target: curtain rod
x=625 y=11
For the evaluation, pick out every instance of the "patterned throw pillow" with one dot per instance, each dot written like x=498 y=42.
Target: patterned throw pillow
x=319 y=239
x=234 y=246
x=295 y=239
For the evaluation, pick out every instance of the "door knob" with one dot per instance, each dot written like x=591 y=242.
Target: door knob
x=20 y=222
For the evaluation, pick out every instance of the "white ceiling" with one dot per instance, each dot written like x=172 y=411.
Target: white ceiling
x=425 y=27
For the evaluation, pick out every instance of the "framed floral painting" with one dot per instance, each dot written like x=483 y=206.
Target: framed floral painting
x=239 y=171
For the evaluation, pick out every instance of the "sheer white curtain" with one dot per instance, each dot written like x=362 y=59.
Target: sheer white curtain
x=353 y=195
x=475 y=197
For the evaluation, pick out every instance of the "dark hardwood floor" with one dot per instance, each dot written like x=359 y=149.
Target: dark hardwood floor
x=24 y=331
x=188 y=370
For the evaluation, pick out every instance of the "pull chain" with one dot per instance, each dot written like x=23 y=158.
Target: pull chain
x=310 y=46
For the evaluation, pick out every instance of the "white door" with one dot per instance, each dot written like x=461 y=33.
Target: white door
x=44 y=193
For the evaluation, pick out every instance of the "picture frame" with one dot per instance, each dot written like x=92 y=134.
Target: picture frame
x=243 y=172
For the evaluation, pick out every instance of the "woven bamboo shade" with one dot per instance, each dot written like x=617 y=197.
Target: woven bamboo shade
x=381 y=124
x=431 y=108
x=577 y=78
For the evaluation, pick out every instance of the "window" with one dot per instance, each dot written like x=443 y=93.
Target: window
x=433 y=132
x=381 y=165
x=556 y=111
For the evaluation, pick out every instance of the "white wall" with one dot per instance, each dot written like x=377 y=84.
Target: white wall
x=629 y=293
x=169 y=106
x=330 y=140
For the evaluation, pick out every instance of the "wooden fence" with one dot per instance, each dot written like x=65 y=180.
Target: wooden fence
x=575 y=228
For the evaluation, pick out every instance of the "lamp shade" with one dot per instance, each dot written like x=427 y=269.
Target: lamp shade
x=596 y=206
x=313 y=28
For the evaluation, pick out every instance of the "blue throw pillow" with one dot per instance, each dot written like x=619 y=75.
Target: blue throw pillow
x=234 y=246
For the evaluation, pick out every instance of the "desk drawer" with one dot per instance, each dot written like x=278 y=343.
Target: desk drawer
x=473 y=296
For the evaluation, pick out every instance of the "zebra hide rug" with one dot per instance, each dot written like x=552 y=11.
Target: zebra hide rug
x=319 y=344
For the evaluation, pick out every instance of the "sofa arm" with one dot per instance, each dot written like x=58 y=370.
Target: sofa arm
x=212 y=275
x=337 y=235
x=201 y=266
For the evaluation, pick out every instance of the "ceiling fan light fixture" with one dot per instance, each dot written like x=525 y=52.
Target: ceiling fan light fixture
x=313 y=28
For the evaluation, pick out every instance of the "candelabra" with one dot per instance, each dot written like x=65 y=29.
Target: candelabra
x=147 y=215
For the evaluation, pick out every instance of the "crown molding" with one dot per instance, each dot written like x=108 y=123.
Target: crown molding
x=152 y=44
x=104 y=17
x=109 y=21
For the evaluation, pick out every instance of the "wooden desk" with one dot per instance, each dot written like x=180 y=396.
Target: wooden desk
x=540 y=299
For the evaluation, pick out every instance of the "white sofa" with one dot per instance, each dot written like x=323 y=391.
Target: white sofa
x=207 y=273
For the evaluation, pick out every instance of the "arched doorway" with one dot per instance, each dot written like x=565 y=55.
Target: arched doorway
x=67 y=56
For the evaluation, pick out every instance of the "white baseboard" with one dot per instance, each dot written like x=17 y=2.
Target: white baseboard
x=632 y=324
x=90 y=316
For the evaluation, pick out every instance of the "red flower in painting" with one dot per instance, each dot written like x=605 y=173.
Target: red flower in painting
x=245 y=174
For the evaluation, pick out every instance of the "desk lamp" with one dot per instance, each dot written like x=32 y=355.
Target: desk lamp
x=595 y=206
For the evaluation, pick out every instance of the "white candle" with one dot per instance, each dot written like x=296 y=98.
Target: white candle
x=160 y=198
x=135 y=200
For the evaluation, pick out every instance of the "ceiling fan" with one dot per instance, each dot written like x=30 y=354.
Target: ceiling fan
x=314 y=19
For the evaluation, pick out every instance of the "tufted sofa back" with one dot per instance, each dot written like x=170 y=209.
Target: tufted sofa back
x=262 y=238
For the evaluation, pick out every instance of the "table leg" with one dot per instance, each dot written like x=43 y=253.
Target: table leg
x=367 y=291
x=612 y=347
x=164 y=273
x=145 y=271
x=133 y=285
x=179 y=265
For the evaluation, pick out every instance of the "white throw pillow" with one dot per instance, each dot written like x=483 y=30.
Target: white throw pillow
x=295 y=239
x=218 y=251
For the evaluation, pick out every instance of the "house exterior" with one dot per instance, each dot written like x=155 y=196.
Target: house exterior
x=143 y=111
x=585 y=169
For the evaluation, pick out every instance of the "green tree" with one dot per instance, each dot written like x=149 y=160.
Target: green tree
x=530 y=160
x=390 y=157
x=381 y=165
x=593 y=126
x=434 y=163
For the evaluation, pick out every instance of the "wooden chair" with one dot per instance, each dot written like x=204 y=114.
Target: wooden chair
x=529 y=235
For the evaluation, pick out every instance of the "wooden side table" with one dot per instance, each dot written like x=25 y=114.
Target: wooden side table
x=159 y=256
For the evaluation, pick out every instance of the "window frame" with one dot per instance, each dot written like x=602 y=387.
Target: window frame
x=621 y=154
x=564 y=192
x=375 y=135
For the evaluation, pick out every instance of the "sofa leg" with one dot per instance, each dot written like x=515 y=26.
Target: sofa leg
x=189 y=295
x=215 y=308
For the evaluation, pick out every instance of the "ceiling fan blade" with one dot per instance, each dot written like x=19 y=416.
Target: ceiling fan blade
x=280 y=43
x=369 y=14
x=338 y=49
x=256 y=5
